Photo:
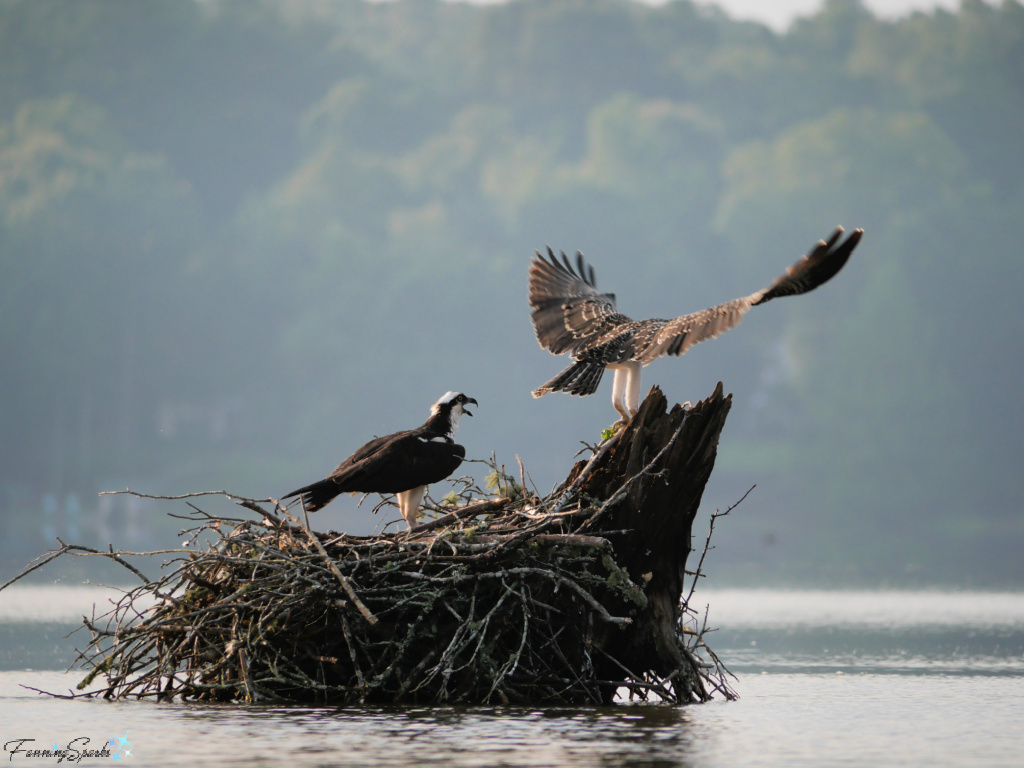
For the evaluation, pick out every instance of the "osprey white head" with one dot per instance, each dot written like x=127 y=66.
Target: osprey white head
x=452 y=404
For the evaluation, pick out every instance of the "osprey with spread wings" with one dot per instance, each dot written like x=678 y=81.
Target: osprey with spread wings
x=571 y=315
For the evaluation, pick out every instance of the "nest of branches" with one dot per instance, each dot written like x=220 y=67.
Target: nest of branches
x=508 y=600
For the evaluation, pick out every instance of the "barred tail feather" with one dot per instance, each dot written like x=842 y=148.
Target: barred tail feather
x=580 y=378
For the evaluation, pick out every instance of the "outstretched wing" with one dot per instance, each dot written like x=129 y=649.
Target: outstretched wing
x=568 y=310
x=819 y=266
x=816 y=268
x=676 y=336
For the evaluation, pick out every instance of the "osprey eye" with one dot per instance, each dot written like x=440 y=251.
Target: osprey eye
x=461 y=398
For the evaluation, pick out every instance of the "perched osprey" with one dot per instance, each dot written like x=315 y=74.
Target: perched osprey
x=570 y=315
x=404 y=463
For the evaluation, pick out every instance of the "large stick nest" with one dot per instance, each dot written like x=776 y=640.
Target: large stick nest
x=507 y=607
x=513 y=599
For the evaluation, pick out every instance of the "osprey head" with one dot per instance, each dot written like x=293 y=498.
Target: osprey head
x=452 y=405
x=454 y=402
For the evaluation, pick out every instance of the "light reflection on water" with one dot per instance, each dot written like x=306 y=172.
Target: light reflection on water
x=897 y=632
x=824 y=679
x=781 y=719
x=187 y=734
x=885 y=609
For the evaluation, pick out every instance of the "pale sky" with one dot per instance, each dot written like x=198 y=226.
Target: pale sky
x=778 y=14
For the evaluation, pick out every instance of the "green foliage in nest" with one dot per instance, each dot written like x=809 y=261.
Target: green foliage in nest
x=503 y=484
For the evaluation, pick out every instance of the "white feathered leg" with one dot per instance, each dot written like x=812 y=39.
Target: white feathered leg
x=632 y=399
x=409 y=504
x=618 y=391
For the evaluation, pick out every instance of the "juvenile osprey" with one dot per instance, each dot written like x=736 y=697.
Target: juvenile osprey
x=570 y=315
x=404 y=463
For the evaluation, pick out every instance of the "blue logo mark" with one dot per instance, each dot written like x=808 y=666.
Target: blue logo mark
x=120 y=742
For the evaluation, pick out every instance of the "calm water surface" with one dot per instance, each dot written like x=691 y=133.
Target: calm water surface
x=825 y=678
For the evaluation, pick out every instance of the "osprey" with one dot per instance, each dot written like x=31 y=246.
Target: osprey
x=404 y=463
x=570 y=315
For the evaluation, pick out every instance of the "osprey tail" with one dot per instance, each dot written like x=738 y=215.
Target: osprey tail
x=316 y=496
x=580 y=378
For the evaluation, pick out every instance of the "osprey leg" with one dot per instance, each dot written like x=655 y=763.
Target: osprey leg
x=409 y=504
x=626 y=389
x=632 y=400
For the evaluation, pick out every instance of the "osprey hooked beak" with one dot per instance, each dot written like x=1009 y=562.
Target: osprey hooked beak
x=466 y=402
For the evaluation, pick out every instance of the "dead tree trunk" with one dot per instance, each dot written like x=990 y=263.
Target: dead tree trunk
x=652 y=480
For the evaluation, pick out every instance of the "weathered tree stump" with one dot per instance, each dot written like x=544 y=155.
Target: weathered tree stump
x=569 y=599
x=656 y=471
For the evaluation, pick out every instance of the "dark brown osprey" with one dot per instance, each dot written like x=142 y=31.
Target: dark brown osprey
x=571 y=315
x=404 y=463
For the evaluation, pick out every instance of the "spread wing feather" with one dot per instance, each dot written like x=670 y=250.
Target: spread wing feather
x=676 y=336
x=815 y=269
x=567 y=307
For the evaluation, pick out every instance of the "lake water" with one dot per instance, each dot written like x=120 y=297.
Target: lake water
x=825 y=678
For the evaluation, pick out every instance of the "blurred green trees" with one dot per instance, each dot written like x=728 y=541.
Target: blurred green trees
x=236 y=238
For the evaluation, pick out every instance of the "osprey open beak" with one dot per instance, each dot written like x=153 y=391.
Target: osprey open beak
x=468 y=401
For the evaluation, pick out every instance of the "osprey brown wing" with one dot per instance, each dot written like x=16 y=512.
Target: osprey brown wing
x=816 y=268
x=568 y=310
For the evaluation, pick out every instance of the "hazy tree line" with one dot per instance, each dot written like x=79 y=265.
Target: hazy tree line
x=238 y=237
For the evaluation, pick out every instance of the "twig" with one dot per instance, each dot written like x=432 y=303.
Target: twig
x=345 y=584
x=471 y=510
x=698 y=573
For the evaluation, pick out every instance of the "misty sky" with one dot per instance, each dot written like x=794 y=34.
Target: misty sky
x=778 y=14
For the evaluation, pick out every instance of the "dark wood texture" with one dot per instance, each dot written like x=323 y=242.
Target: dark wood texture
x=658 y=467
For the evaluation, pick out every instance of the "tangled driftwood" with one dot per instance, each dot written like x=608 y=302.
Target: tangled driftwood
x=571 y=599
